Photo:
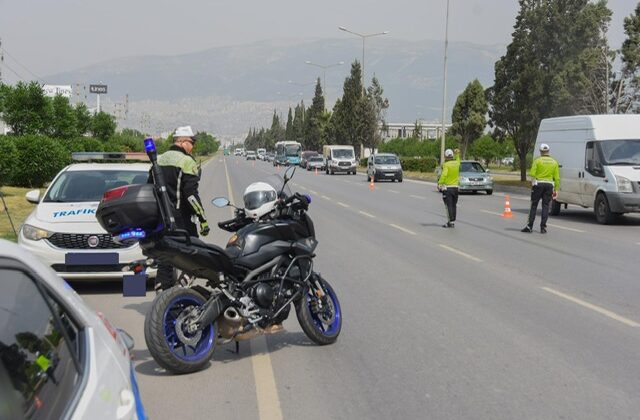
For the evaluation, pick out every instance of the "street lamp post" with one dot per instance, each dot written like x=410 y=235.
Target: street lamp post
x=444 y=89
x=324 y=72
x=364 y=37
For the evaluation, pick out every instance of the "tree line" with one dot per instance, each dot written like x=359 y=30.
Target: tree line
x=354 y=119
x=45 y=131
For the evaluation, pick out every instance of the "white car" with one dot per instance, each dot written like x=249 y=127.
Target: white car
x=58 y=358
x=63 y=230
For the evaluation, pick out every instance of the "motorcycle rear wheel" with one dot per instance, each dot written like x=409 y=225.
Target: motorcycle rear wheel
x=171 y=346
x=321 y=325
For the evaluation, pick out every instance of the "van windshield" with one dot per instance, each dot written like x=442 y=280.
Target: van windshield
x=620 y=152
x=343 y=153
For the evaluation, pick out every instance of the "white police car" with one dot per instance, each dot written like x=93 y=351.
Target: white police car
x=58 y=358
x=63 y=231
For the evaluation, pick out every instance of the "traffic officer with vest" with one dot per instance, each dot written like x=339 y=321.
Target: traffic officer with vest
x=181 y=176
x=545 y=181
x=448 y=184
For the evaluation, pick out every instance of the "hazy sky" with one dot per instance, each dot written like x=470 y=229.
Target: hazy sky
x=47 y=36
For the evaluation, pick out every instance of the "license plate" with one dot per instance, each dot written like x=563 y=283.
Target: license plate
x=389 y=174
x=91 y=258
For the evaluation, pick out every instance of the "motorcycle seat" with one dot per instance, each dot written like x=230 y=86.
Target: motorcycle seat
x=198 y=258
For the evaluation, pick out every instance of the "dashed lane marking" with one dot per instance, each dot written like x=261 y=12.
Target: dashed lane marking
x=565 y=228
x=366 y=214
x=495 y=213
x=463 y=254
x=394 y=191
x=343 y=205
x=325 y=197
x=418 y=197
x=312 y=192
x=410 y=232
x=593 y=307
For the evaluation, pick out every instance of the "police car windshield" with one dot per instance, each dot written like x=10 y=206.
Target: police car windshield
x=85 y=186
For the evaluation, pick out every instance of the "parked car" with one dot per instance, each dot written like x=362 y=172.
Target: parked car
x=474 y=177
x=58 y=358
x=63 y=231
x=251 y=155
x=315 y=162
x=384 y=166
x=508 y=160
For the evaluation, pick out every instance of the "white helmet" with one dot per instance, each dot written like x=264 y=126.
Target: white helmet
x=259 y=199
x=448 y=153
x=544 y=147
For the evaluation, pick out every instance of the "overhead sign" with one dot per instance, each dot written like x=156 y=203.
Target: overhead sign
x=53 y=90
x=99 y=89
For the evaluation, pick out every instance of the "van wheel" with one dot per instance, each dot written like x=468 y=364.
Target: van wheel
x=489 y=192
x=555 y=207
x=602 y=210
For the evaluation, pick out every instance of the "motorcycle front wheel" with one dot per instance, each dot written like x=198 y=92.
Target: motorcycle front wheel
x=165 y=332
x=319 y=312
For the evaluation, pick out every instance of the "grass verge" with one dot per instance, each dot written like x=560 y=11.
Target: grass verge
x=19 y=208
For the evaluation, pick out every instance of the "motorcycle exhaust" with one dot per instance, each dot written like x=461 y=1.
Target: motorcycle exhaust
x=229 y=323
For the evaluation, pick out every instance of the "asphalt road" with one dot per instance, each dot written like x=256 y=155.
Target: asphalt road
x=477 y=322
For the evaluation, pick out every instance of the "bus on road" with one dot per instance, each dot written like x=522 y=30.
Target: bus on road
x=287 y=153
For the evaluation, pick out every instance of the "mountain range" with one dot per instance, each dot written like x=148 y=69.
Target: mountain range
x=228 y=90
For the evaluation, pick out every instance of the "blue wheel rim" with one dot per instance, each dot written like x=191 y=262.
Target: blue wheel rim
x=178 y=348
x=327 y=329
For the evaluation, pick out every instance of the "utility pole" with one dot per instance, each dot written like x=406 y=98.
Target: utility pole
x=1 y=60
x=444 y=88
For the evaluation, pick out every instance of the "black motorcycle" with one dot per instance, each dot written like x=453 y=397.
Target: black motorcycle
x=250 y=285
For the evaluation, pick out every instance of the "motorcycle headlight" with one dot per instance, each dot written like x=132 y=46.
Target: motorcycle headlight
x=624 y=185
x=35 y=234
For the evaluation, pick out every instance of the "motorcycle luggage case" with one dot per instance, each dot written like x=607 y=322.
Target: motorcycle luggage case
x=137 y=208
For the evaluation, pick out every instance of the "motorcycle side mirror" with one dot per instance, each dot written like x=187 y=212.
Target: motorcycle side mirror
x=288 y=174
x=220 y=202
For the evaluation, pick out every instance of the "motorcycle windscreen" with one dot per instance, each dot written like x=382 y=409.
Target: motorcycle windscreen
x=276 y=181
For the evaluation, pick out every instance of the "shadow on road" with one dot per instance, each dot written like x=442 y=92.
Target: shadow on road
x=225 y=353
x=585 y=216
x=142 y=308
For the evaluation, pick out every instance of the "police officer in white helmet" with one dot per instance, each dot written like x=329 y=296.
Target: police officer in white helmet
x=545 y=181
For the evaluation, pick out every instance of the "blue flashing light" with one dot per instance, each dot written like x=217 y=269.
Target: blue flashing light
x=149 y=145
x=132 y=234
x=308 y=197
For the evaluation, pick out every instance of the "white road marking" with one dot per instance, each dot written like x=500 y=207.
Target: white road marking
x=464 y=254
x=312 y=192
x=565 y=228
x=495 y=213
x=343 y=205
x=418 y=197
x=410 y=232
x=326 y=198
x=266 y=389
x=593 y=307
x=366 y=214
x=394 y=191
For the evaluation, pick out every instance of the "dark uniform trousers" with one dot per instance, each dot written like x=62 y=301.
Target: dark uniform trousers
x=544 y=191
x=450 y=198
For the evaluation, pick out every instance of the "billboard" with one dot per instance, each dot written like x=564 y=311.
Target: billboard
x=53 y=90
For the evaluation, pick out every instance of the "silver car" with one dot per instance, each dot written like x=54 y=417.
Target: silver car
x=474 y=177
x=384 y=166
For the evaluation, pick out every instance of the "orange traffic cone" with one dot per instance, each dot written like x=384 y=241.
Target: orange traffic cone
x=372 y=185
x=507 y=208
x=316 y=170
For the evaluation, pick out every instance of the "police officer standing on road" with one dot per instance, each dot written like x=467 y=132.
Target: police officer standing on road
x=545 y=174
x=181 y=175
x=448 y=183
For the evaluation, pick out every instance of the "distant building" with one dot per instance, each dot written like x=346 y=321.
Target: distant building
x=429 y=131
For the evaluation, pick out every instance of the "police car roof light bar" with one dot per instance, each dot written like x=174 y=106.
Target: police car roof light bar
x=106 y=156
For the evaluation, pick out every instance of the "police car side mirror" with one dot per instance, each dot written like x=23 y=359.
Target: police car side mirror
x=33 y=196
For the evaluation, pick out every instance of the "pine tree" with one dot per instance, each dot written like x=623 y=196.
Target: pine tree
x=626 y=90
x=349 y=111
x=313 y=123
x=289 y=128
x=469 y=115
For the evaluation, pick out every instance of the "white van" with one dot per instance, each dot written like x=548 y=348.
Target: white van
x=599 y=157
x=339 y=159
